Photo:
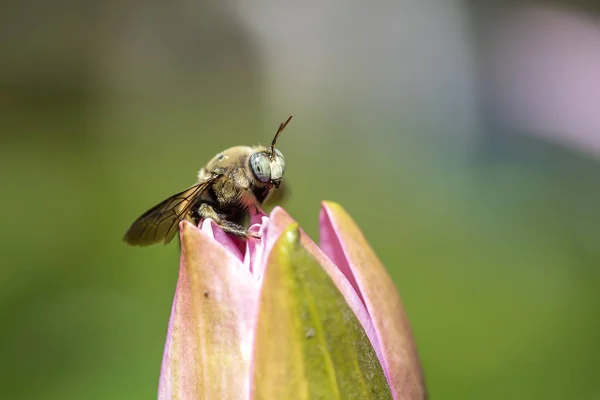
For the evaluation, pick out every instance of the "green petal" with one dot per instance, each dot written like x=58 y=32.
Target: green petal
x=308 y=343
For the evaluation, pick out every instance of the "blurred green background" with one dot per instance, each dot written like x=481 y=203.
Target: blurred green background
x=489 y=228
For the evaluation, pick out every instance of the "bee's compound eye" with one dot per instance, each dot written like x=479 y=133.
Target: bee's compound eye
x=261 y=167
x=277 y=165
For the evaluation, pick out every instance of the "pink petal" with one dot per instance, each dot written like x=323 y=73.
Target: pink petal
x=254 y=247
x=209 y=341
x=213 y=230
x=250 y=250
x=343 y=242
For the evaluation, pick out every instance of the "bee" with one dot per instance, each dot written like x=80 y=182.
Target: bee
x=232 y=184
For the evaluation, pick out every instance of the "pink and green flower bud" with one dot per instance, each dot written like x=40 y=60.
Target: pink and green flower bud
x=280 y=317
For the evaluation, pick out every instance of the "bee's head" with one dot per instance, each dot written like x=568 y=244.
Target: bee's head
x=269 y=165
x=266 y=168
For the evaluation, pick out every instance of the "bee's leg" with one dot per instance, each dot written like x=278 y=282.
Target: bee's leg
x=238 y=230
x=206 y=211
x=193 y=217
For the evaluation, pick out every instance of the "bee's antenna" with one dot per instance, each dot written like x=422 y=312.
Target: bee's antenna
x=281 y=128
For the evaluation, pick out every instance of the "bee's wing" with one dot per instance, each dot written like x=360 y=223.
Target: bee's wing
x=161 y=222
